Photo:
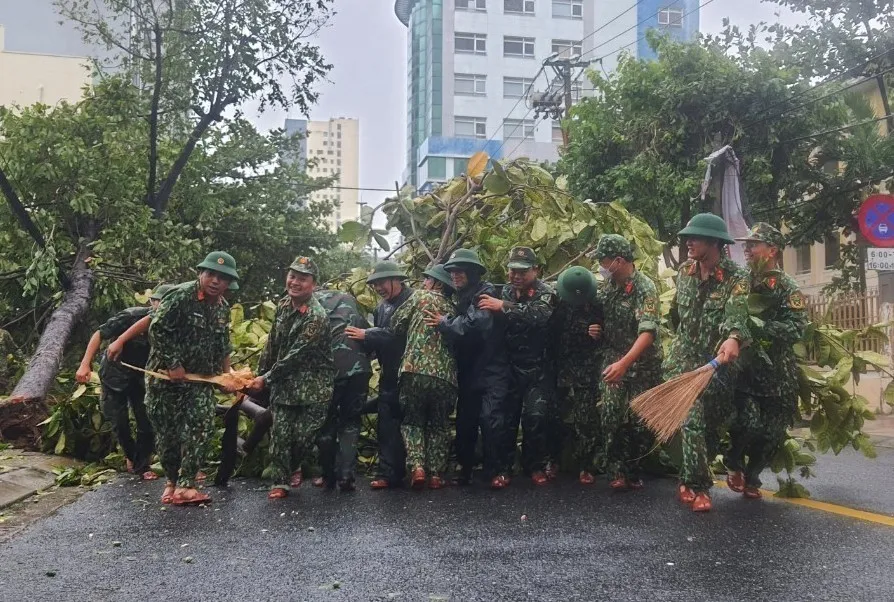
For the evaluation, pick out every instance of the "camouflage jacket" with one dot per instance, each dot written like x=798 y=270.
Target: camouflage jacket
x=349 y=355
x=630 y=310
x=576 y=356
x=136 y=352
x=297 y=361
x=427 y=352
x=704 y=313
x=770 y=368
x=186 y=331
x=527 y=325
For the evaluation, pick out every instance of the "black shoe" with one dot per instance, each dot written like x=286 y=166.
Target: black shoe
x=346 y=485
x=463 y=479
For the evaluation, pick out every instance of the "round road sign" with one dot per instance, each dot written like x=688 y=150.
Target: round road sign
x=876 y=219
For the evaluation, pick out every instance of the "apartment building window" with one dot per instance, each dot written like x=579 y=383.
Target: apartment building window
x=568 y=9
x=567 y=48
x=670 y=17
x=473 y=43
x=515 y=129
x=338 y=144
x=470 y=127
x=832 y=244
x=338 y=126
x=516 y=87
x=437 y=167
x=471 y=5
x=802 y=259
x=467 y=84
x=525 y=7
x=575 y=92
x=557 y=133
x=523 y=47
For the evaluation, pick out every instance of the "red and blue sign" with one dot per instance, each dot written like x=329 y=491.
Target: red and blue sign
x=876 y=219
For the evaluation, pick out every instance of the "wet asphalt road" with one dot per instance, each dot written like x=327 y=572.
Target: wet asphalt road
x=457 y=544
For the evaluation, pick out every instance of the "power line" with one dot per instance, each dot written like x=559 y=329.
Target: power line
x=836 y=130
x=517 y=102
x=607 y=23
x=635 y=26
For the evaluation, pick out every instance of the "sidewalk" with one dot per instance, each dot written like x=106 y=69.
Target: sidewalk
x=22 y=474
x=881 y=430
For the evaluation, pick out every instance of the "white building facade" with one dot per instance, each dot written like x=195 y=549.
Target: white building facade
x=472 y=63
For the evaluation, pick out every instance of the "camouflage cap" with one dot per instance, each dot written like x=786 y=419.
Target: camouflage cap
x=522 y=258
x=305 y=265
x=764 y=232
x=614 y=245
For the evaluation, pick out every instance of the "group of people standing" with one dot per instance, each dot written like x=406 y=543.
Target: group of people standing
x=559 y=363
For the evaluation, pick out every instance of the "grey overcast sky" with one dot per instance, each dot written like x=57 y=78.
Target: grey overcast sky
x=367 y=46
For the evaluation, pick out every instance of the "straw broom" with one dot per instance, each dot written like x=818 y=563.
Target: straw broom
x=664 y=408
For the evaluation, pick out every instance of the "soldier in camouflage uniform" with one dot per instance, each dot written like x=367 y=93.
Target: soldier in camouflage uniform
x=340 y=432
x=709 y=314
x=296 y=368
x=576 y=352
x=766 y=394
x=427 y=381
x=528 y=305
x=123 y=389
x=631 y=358
x=190 y=332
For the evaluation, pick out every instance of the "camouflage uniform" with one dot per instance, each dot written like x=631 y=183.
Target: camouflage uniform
x=766 y=394
x=530 y=394
x=631 y=309
x=297 y=368
x=427 y=382
x=576 y=359
x=124 y=389
x=185 y=331
x=340 y=432
x=703 y=315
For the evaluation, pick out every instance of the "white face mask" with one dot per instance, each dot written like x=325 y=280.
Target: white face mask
x=607 y=273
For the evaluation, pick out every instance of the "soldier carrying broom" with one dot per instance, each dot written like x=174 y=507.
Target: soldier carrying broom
x=709 y=314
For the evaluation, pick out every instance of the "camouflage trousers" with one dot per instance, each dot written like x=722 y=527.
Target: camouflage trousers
x=426 y=403
x=759 y=428
x=292 y=439
x=702 y=431
x=579 y=427
x=626 y=439
x=183 y=418
x=116 y=407
x=533 y=401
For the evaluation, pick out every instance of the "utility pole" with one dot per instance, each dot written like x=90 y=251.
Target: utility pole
x=547 y=103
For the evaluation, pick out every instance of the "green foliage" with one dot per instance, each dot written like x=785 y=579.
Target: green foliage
x=76 y=426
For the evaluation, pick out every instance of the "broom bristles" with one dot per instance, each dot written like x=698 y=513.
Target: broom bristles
x=664 y=408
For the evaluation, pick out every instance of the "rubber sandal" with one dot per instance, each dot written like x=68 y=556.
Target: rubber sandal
x=585 y=478
x=752 y=493
x=499 y=482
x=148 y=476
x=736 y=481
x=635 y=484
x=539 y=478
x=418 y=479
x=619 y=484
x=686 y=495
x=167 y=498
x=701 y=503
x=198 y=498
x=380 y=484
x=436 y=483
x=277 y=493
x=318 y=482
x=297 y=478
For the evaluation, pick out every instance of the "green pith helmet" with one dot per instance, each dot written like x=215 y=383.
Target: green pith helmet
x=764 y=232
x=462 y=258
x=707 y=225
x=438 y=273
x=305 y=265
x=522 y=258
x=234 y=286
x=384 y=270
x=161 y=291
x=220 y=261
x=576 y=285
x=614 y=245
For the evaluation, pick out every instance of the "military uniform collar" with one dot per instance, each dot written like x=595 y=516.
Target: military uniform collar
x=627 y=286
x=527 y=293
x=200 y=294
x=719 y=273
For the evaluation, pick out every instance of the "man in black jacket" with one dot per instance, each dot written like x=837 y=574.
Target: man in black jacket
x=477 y=337
x=388 y=282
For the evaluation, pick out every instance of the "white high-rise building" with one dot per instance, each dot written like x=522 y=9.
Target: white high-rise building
x=332 y=148
x=470 y=64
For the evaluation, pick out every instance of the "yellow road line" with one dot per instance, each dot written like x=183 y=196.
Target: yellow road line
x=872 y=517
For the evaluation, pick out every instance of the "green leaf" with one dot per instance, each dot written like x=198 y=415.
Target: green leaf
x=843 y=369
x=79 y=391
x=871 y=357
x=382 y=242
x=353 y=232
x=539 y=229
x=496 y=183
x=60 y=445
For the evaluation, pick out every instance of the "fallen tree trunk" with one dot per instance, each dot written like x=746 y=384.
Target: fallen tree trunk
x=22 y=411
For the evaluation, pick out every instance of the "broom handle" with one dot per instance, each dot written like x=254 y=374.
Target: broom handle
x=163 y=375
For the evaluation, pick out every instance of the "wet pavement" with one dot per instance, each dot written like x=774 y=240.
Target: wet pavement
x=563 y=542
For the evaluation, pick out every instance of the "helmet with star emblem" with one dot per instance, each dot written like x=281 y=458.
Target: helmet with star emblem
x=385 y=270
x=614 y=245
x=305 y=265
x=707 y=225
x=576 y=285
x=463 y=259
x=764 y=232
x=522 y=258
x=222 y=262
